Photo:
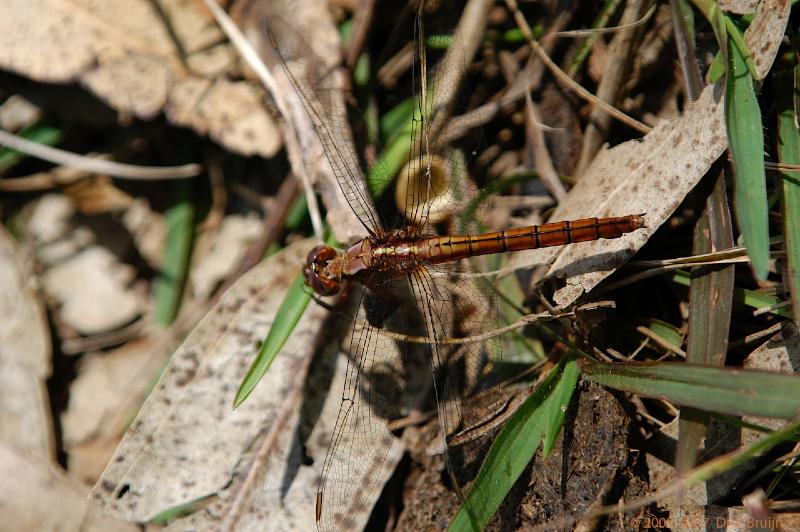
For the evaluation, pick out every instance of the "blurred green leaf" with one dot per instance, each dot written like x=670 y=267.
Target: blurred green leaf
x=171 y=281
x=667 y=331
x=41 y=133
x=298 y=213
x=394 y=121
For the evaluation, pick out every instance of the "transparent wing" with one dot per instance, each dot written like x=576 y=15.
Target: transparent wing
x=457 y=312
x=379 y=388
x=435 y=182
x=317 y=88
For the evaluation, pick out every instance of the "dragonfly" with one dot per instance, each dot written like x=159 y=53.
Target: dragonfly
x=402 y=262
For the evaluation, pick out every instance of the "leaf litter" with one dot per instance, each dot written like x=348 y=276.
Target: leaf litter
x=249 y=468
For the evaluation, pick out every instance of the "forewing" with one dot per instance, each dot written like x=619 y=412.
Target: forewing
x=316 y=86
x=435 y=182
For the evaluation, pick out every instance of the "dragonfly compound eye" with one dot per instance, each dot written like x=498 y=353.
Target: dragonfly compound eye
x=316 y=274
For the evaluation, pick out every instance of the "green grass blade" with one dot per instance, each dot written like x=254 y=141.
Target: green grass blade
x=289 y=313
x=169 y=285
x=787 y=102
x=746 y=138
x=728 y=461
x=722 y=390
x=540 y=416
x=751 y=298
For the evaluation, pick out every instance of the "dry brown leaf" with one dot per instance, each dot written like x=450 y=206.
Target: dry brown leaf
x=92 y=287
x=148 y=230
x=283 y=493
x=765 y=34
x=187 y=442
x=108 y=390
x=217 y=255
x=24 y=356
x=741 y=7
x=38 y=496
x=50 y=219
x=17 y=112
x=651 y=175
x=781 y=353
x=97 y=194
x=122 y=50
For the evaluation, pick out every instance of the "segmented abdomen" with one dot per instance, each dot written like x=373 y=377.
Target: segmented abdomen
x=436 y=250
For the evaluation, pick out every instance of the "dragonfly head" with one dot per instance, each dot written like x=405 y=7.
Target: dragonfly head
x=317 y=274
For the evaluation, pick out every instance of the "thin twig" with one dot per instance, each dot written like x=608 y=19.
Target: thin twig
x=95 y=165
x=538 y=148
x=359 y=29
x=610 y=29
x=251 y=57
x=565 y=79
x=522 y=322
x=610 y=88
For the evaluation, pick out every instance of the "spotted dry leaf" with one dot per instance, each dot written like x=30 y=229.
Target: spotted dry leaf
x=187 y=442
x=123 y=51
x=739 y=6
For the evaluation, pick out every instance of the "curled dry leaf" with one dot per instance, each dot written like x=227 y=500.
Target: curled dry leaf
x=24 y=357
x=187 y=443
x=38 y=496
x=651 y=175
x=123 y=51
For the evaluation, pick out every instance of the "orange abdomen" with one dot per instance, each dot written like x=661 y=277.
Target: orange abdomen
x=436 y=250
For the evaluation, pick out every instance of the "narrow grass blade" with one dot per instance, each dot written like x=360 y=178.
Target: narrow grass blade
x=746 y=138
x=711 y=290
x=289 y=313
x=168 y=287
x=722 y=390
x=751 y=298
x=728 y=461
x=539 y=417
x=788 y=101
